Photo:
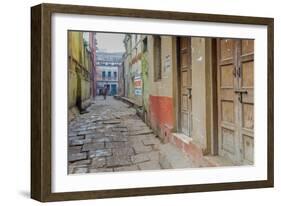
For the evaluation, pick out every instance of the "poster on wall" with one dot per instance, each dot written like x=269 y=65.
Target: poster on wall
x=138 y=85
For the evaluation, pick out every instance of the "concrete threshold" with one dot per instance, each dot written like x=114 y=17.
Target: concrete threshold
x=195 y=152
x=218 y=161
x=171 y=157
x=182 y=137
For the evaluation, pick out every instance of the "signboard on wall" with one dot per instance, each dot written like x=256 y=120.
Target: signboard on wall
x=138 y=86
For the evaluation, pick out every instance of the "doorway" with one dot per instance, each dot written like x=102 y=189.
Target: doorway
x=113 y=89
x=185 y=86
x=235 y=89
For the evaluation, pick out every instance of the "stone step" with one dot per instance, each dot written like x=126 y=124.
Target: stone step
x=217 y=161
x=172 y=157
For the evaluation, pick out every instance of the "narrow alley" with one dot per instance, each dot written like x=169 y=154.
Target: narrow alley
x=110 y=137
x=143 y=102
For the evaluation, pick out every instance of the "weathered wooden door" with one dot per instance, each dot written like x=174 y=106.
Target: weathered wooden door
x=246 y=99
x=186 y=86
x=235 y=99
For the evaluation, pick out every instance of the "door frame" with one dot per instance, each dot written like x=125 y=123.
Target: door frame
x=178 y=89
x=212 y=145
x=236 y=156
x=238 y=110
x=213 y=140
x=178 y=85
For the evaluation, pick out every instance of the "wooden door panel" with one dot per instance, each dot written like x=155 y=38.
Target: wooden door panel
x=227 y=94
x=249 y=97
x=184 y=102
x=248 y=148
x=246 y=62
x=183 y=43
x=227 y=111
x=227 y=49
x=227 y=103
x=247 y=47
x=228 y=140
x=186 y=80
x=184 y=123
x=184 y=60
x=186 y=85
x=184 y=77
x=248 y=116
x=226 y=77
x=247 y=74
x=236 y=99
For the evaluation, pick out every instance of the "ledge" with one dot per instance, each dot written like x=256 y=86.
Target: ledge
x=128 y=101
x=184 y=138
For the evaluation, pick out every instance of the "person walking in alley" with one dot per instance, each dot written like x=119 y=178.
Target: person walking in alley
x=105 y=89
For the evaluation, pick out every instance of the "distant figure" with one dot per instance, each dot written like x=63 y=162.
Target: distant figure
x=105 y=89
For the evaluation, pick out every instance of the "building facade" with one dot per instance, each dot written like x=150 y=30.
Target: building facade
x=81 y=70
x=107 y=72
x=93 y=49
x=121 y=80
x=196 y=93
x=132 y=62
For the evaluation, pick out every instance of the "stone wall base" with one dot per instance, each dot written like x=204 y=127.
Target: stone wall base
x=74 y=111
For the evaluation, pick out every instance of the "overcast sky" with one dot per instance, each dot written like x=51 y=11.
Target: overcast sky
x=110 y=42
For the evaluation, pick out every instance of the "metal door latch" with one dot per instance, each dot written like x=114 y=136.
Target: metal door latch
x=240 y=92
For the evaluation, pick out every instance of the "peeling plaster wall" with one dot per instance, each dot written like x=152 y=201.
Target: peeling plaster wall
x=133 y=67
x=78 y=70
x=200 y=64
x=161 y=107
x=161 y=87
x=146 y=83
x=198 y=90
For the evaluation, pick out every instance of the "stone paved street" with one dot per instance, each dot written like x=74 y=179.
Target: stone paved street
x=109 y=138
x=137 y=74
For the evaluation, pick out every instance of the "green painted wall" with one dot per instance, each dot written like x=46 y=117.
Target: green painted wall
x=145 y=82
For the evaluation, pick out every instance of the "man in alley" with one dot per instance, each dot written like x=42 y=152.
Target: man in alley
x=104 y=92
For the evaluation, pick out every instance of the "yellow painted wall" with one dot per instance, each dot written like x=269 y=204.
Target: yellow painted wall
x=79 y=66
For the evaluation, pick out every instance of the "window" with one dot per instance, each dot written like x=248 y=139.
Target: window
x=157 y=57
x=144 y=43
x=109 y=75
x=103 y=75
x=136 y=40
x=115 y=75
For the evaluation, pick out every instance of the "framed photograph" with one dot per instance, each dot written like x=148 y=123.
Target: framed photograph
x=130 y=102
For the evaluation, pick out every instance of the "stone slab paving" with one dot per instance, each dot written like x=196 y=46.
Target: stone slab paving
x=110 y=137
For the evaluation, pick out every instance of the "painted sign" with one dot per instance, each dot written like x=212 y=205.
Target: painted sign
x=167 y=66
x=138 y=86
